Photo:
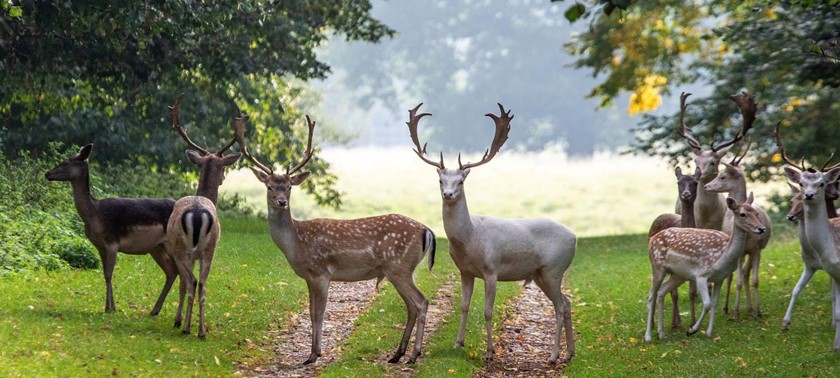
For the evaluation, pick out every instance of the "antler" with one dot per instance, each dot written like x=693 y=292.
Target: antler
x=741 y=154
x=175 y=115
x=239 y=136
x=308 y=154
x=413 y=119
x=683 y=130
x=747 y=105
x=502 y=128
x=782 y=149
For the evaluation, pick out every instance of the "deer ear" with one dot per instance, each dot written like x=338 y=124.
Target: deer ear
x=697 y=173
x=466 y=172
x=832 y=175
x=262 y=176
x=298 y=178
x=230 y=159
x=731 y=204
x=792 y=174
x=84 y=152
x=722 y=152
x=194 y=157
x=750 y=199
x=678 y=172
x=793 y=188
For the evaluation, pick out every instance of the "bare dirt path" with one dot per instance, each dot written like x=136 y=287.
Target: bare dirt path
x=523 y=347
x=346 y=301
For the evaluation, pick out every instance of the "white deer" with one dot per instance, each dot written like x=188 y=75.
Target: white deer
x=127 y=225
x=811 y=256
x=324 y=250
x=705 y=256
x=194 y=230
x=497 y=249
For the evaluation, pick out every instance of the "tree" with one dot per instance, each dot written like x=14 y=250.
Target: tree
x=785 y=54
x=104 y=72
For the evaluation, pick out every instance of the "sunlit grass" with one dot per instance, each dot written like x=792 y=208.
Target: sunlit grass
x=604 y=195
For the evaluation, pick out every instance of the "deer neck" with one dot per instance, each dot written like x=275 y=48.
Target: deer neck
x=208 y=184
x=830 y=209
x=818 y=230
x=738 y=191
x=687 y=214
x=734 y=250
x=283 y=229
x=84 y=201
x=457 y=222
x=708 y=207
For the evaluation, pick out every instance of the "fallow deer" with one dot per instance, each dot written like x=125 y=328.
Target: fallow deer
x=130 y=226
x=733 y=181
x=497 y=249
x=325 y=250
x=811 y=258
x=710 y=207
x=705 y=256
x=687 y=193
x=194 y=229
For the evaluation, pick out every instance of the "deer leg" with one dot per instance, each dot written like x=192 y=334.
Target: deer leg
x=551 y=287
x=676 y=322
x=703 y=289
x=656 y=282
x=670 y=285
x=807 y=273
x=744 y=280
x=692 y=298
x=182 y=293
x=833 y=302
x=835 y=309
x=108 y=255
x=756 y=261
x=467 y=284
x=187 y=275
x=714 y=301
x=170 y=271
x=204 y=272
x=489 y=302
x=728 y=289
x=417 y=305
x=318 y=293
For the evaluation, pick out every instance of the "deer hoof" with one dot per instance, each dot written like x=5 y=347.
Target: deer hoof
x=177 y=324
x=785 y=325
x=458 y=344
x=185 y=332
x=488 y=356
x=394 y=359
x=312 y=358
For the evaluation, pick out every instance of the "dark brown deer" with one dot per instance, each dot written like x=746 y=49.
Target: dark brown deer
x=127 y=225
x=194 y=229
x=687 y=192
x=325 y=250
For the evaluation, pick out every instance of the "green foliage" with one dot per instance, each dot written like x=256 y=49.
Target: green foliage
x=82 y=72
x=783 y=53
x=39 y=228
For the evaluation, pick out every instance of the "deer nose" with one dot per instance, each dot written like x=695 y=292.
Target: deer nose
x=761 y=230
x=809 y=196
x=282 y=203
x=791 y=217
x=448 y=194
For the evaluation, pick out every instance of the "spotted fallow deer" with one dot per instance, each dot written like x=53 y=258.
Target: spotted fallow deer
x=687 y=192
x=733 y=181
x=497 y=249
x=325 y=250
x=130 y=226
x=194 y=229
x=710 y=207
x=705 y=256
x=811 y=259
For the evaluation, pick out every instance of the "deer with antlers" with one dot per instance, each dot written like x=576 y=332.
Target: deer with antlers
x=687 y=189
x=325 y=250
x=710 y=208
x=704 y=256
x=130 y=226
x=733 y=181
x=819 y=255
x=193 y=229
x=497 y=249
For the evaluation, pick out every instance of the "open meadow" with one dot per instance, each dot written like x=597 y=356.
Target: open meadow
x=52 y=324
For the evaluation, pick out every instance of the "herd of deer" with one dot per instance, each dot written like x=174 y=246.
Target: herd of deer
x=707 y=240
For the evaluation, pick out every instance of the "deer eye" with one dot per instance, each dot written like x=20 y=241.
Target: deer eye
x=743 y=215
x=822 y=184
x=440 y=181
x=461 y=182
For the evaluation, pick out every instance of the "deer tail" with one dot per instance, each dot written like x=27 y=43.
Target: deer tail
x=429 y=246
x=196 y=222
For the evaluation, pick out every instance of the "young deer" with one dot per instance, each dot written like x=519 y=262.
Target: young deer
x=131 y=226
x=325 y=250
x=193 y=229
x=810 y=256
x=687 y=192
x=705 y=256
x=497 y=249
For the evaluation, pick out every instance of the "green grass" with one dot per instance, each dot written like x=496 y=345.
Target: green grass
x=52 y=324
